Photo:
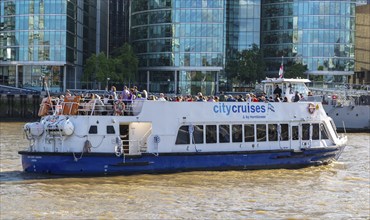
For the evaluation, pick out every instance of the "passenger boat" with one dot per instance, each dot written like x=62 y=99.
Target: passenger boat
x=349 y=109
x=165 y=137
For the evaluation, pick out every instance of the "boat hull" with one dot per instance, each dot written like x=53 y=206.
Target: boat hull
x=110 y=164
x=350 y=118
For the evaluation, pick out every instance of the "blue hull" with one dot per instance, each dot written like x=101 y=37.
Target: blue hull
x=110 y=164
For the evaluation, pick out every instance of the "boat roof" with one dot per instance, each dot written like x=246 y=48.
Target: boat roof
x=282 y=80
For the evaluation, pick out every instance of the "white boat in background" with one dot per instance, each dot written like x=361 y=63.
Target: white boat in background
x=349 y=109
x=162 y=136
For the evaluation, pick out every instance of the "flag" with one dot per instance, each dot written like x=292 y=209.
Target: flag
x=281 y=70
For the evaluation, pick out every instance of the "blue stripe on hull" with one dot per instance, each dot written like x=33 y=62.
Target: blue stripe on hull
x=104 y=164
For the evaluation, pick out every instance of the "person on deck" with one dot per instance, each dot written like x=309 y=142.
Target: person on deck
x=277 y=91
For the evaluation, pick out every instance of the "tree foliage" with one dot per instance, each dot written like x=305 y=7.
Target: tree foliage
x=248 y=67
x=295 y=70
x=126 y=63
x=121 y=67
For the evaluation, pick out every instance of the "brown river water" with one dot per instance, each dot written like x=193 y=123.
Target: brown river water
x=340 y=190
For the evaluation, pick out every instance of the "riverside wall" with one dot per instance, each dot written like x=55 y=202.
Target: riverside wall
x=19 y=107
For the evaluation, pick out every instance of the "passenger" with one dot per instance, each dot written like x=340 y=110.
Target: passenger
x=277 y=91
x=161 y=97
x=222 y=97
x=254 y=98
x=217 y=99
x=230 y=99
x=309 y=93
x=248 y=98
x=285 y=99
x=240 y=98
x=68 y=93
x=296 y=97
x=277 y=98
x=211 y=98
x=271 y=99
x=262 y=99
x=125 y=94
x=144 y=94
x=200 y=98
x=113 y=92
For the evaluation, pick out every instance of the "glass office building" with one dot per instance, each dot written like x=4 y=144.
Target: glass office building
x=48 y=40
x=180 y=44
x=319 y=34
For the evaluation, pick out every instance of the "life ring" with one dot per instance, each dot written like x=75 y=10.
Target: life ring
x=119 y=107
x=311 y=108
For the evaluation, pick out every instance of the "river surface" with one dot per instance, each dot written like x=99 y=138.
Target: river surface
x=340 y=190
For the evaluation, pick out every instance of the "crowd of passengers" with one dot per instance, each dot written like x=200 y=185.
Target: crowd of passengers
x=127 y=95
x=119 y=102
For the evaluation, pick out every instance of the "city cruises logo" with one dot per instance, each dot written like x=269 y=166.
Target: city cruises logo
x=247 y=108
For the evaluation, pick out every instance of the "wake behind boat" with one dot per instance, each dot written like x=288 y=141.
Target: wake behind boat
x=162 y=136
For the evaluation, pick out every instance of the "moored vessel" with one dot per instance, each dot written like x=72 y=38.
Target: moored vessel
x=162 y=137
x=349 y=108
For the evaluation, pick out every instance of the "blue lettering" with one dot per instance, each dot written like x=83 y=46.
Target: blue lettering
x=263 y=109
x=252 y=109
x=234 y=108
x=258 y=108
x=215 y=109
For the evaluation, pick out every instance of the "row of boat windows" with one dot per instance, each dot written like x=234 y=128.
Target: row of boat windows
x=238 y=133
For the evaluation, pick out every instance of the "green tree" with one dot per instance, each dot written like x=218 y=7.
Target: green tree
x=248 y=67
x=295 y=70
x=126 y=64
x=98 y=67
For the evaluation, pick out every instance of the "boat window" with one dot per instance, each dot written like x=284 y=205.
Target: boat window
x=249 y=133
x=211 y=134
x=110 y=129
x=305 y=131
x=284 y=132
x=261 y=132
x=183 y=135
x=224 y=133
x=198 y=134
x=237 y=133
x=324 y=132
x=93 y=129
x=273 y=135
x=295 y=133
x=315 y=132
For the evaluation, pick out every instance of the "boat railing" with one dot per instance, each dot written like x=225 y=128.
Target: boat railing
x=76 y=105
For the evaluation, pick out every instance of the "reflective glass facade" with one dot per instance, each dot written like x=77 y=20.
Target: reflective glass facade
x=180 y=44
x=317 y=33
x=46 y=40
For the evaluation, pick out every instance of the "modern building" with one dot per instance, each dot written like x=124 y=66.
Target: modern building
x=319 y=34
x=362 y=48
x=48 y=41
x=183 y=46
x=118 y=29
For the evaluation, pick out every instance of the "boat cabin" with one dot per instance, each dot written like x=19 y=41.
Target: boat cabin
x=288 y=87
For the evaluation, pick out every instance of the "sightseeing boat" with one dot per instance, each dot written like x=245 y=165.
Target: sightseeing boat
x=162 y=137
